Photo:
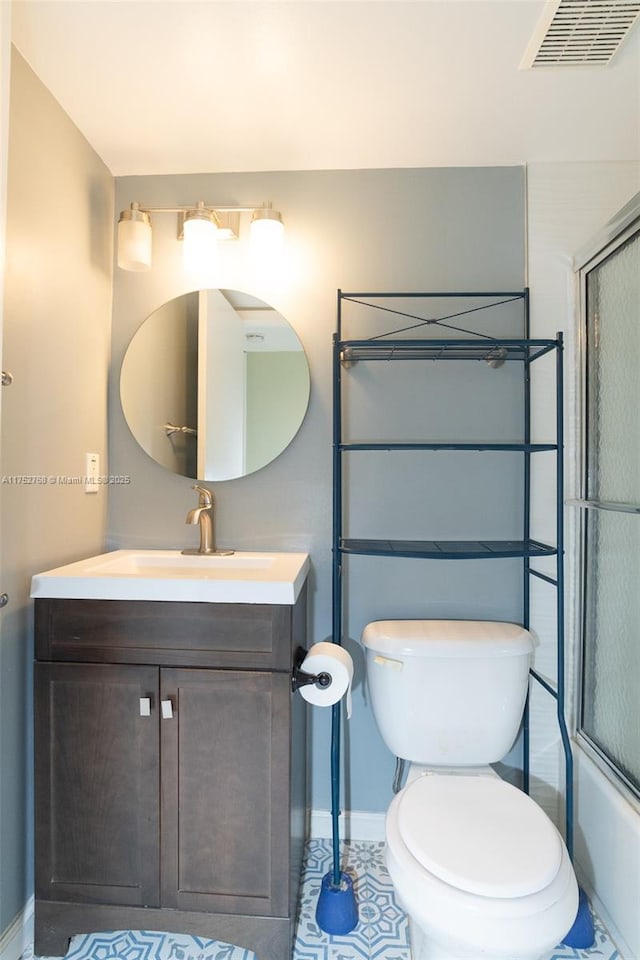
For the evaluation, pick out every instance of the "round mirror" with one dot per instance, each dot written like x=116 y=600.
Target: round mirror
x=214 y=384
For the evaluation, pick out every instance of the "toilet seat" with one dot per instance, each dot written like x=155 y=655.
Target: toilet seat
x=448 y=919
x=479 y=834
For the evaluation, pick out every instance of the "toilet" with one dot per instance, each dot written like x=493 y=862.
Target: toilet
x=477 y=865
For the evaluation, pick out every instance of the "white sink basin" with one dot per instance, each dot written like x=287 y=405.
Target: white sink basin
x=171 y=575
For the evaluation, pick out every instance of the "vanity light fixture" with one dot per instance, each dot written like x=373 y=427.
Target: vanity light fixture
x=199 y=234
x=200 y=226
x=266 y=221
x=134 y=239
x=267 y=234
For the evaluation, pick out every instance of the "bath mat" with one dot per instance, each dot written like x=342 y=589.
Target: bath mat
x=151 y=945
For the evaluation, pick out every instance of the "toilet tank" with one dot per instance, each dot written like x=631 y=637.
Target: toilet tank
x=448 y=692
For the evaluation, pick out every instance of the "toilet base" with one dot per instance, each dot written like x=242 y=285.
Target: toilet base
x=424 y=948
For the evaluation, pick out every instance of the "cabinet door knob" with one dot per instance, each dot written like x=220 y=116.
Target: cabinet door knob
x=167 y=709
x=145 y=706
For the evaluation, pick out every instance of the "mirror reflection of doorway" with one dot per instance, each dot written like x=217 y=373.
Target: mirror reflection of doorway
x=214 y=384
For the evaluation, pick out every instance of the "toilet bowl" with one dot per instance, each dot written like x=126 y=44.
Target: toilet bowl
x=479 y=868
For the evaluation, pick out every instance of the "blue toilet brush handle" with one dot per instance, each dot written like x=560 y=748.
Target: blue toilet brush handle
x=335 y=791
x=336 y=910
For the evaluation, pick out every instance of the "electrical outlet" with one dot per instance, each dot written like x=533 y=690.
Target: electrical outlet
x=91 y=472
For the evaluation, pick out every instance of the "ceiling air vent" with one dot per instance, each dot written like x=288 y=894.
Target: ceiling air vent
x=580 y=32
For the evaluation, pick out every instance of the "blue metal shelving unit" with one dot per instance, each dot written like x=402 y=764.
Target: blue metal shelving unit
x=391 y=346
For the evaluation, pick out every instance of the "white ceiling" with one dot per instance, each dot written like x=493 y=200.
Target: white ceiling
x=175 y=86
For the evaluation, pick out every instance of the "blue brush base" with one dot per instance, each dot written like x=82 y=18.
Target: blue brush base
x=582 y=933
x=336 y=910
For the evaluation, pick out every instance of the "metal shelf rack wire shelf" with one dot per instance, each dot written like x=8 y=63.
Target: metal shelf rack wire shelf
x=417 y=337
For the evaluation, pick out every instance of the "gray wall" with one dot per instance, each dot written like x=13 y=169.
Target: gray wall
x=56 y=344
x=435 y=229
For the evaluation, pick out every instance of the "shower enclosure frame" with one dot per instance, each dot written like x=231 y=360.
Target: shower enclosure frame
x=621 y=230
x=510 y=349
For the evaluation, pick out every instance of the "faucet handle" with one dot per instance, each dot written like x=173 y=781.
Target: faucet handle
x=206 y=497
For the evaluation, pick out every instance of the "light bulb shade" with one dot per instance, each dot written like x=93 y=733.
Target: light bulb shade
x=134 y=239
x=200 y=230
x=266 y=237
x=267 y=226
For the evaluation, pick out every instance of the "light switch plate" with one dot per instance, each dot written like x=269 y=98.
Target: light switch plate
x=91 y=472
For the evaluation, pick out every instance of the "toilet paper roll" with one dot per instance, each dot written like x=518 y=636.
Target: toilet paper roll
x=333 y=659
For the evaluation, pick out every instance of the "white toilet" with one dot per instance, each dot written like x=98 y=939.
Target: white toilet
x=478 y=866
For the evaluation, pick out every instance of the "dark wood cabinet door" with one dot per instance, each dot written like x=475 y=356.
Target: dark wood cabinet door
x=97 y=784
x=225 y=791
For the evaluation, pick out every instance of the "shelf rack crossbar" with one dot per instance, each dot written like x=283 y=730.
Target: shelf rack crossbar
x=478 y=445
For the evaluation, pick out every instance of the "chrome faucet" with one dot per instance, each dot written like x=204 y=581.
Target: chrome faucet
x=203 y=516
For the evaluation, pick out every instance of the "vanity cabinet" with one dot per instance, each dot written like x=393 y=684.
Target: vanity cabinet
x=170 y=770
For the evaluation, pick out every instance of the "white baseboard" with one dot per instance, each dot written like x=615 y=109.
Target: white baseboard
x=18 y=935
x=353 y=825
x=603 y=914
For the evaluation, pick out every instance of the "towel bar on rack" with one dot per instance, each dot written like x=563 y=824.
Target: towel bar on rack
x=605 y=505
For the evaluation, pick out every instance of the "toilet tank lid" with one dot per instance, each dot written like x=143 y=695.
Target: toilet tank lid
x=447 y=639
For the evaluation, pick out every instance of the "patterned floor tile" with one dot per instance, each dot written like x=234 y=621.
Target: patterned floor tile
x=151 y=945
x=147 y=945
x=381 y=933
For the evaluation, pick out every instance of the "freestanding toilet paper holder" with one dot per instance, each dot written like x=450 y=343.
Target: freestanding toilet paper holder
x=300 y=678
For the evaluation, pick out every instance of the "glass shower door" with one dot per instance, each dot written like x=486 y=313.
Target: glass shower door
x=610 y=713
